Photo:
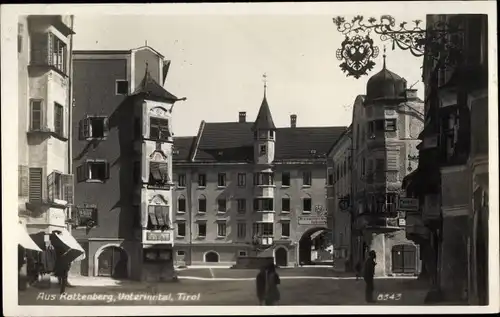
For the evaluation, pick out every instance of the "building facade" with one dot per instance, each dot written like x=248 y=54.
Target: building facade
x=451 y=182
x=250 y=189
x=44 y=91
x=339 y=193
x=386 y=124
x=122 y=153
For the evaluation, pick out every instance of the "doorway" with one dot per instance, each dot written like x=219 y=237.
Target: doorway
x=404 y=259
x=112 y=262
x=281 y=257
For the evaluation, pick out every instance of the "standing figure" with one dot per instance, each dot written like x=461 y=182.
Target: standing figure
x=369 y=273
x=267 y=286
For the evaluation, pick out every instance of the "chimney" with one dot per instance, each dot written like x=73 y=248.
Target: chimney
x=293 y=120
x=243 y=117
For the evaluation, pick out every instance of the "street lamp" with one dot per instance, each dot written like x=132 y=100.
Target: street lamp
x=358 y=49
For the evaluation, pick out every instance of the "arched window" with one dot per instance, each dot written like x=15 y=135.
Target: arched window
x=211 y=256
x=181 y=204
x=202 y=204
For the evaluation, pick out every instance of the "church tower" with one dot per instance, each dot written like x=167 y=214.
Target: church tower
x=264 y=134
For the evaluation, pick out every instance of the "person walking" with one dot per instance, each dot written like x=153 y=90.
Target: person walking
x=368 y=274
x=267 y=285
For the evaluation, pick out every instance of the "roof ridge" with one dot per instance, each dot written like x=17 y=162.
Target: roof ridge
x=198 y=138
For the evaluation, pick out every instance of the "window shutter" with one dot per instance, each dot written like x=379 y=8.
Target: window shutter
x=160 y=217
x=68 y=188
x=106 y=170
x=152 y=215
x=166 y=216
x=392 y=160
x=106 y=127
x=50 y=186
x=35 y=184
x=50 y=50
x=87 y=129
x=81 y=134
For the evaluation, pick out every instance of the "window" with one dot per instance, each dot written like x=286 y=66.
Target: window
x=242 y=205
x=121 y=87
x=181 y=229
x=450 y=127
x=306 y=178
x=58 y=119
x=285 y=229
x=285 y=179
x=263 y=179
x=285 y=204
x=158 y=174
x=181 y=204
x=221 y=180
x=263 y=204
x=181 y=180
x=60 y=187
x=36 y=117
x=263 y=149
x=242 y=230
x=307 y=205
x=35 y=184
x=158 y=217
x=93 y=170
x=93 y=128
x=330 y=177
x=202 y=230
x=58 y=53
x=202 y=180
x=158 y=129
x=390 y=125
x=137 y=173
x=221 y=205
x=181 y=253
x=48 y=50
x=221 y=229
x=20 y=30
x=242 y=179
x=202 y=204
x=242 y=253
x=390 y=202
x=263 y=229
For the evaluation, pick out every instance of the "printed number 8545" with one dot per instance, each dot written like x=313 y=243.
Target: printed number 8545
x=389 y=296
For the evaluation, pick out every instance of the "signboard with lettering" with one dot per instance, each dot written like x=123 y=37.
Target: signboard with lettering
x=408 y=204
x=312 y=220
x=158 y=236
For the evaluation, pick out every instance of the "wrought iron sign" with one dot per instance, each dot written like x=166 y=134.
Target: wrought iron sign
x=357 y=51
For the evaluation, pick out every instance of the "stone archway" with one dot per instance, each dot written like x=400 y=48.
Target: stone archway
x=211 y=257
x=306 y=243
x=113 y=261
x=281 y=256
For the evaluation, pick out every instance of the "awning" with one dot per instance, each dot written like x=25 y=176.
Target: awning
x=66 y=238
x=25 y=240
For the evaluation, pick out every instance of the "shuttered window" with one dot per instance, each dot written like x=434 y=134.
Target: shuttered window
x=58 y=119
x=36 y=114
x=158 y=173
x=158 y=217
x=392 y=160
x=94 y=170
x=93 y=128
x=35 y=184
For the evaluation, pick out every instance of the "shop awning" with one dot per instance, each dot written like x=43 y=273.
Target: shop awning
x=66 y=238
x=25 y=240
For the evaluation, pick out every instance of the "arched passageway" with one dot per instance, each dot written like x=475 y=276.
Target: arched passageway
x=311 y=239
x=211 y=257
x=112 y=262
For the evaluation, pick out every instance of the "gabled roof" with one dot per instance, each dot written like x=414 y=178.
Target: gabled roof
x=183 y=147
x=231 y=142
x=264 y=119
x=151 y=89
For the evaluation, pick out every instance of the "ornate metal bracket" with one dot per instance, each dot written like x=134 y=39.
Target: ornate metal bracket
x=357 y=50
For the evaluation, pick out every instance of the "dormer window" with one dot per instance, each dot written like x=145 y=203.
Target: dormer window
x=159 y=129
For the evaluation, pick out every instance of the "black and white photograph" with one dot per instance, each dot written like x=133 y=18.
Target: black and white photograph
x=218 y=158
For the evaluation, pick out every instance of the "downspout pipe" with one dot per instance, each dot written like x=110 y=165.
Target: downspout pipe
x=70 y=111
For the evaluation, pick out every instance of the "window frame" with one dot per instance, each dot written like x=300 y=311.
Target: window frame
x=221 y=180
x=242 y=179
x=244 y=231
x=304 y=205
x=181 y=180
x=59 y=122
x=179 y=199
x=287 y=223
x=289 y=179
x=221 y=224
x=242 y=210
x=83 y=171
x=200 y=199
x=41 y=112
x=164 y=215
x=86 y=129
x=160 y=128
x=289 y=205
x=117 y=82
x=219 y=200
x=178 y=223
x=164 y=182
x=198 y=235
x=200 y=177
x=262 y=149
x=308 y=179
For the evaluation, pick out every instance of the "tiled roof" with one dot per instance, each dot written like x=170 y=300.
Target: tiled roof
x=183 y=147
x=264 y=118
x=152 y=89
x=233 y=142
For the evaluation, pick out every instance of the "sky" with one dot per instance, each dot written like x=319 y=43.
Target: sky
x=218 y=63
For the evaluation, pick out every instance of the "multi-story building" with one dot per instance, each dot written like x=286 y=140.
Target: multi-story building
x=44 y=130
x=122 y=155
x=339 y=190
x=386 y=123
x=250 y=188
x=451 y=182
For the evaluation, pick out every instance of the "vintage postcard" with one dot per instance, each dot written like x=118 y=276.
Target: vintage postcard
x=250 y=158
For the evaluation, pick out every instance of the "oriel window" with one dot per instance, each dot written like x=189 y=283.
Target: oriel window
x=159 y=129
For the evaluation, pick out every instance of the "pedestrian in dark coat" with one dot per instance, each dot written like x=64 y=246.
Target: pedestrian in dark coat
x=368 y=274
x=267 y=285
x=61 y=271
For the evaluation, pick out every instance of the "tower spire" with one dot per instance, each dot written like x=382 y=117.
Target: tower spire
x=384 y=56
